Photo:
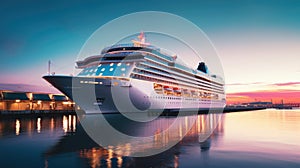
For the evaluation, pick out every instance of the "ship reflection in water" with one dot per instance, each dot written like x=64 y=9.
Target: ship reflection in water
x=201 y=131
x=268 y=138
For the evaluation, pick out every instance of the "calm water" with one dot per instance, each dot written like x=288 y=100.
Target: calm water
x=267 y=138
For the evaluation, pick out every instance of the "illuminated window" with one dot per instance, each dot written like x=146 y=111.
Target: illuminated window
x=122 y=69
x=95 y=70
x=111 y=69
x=128 y=64
x=100 y=74
x=103 y=69
x=91 y=70
x=111 y=64
x=119 y=64
x=99 y=65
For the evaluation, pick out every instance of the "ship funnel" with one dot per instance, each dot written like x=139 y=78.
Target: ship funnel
x=202 y=67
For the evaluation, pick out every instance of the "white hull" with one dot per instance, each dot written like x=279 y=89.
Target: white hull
x=125 y=96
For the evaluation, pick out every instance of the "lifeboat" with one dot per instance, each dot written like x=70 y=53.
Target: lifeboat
x=168 y=88
x=177 y=90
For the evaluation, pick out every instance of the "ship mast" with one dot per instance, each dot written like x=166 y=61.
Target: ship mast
x=141 y=42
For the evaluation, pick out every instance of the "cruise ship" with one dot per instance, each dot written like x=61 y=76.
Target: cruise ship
x=139 y=77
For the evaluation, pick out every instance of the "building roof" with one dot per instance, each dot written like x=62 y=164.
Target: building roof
x=14 y=96
x=44 y=97
x=59 y=98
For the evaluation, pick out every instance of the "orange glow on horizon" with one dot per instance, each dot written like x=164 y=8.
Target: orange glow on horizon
x=276 y=96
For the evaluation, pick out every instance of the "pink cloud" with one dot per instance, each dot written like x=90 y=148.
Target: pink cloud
x=29 y=88
x=287 y=84
x=242 y=84
x=269 y=94
x=275 y=95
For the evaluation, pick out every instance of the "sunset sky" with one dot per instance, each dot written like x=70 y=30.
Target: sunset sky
x=258 y=41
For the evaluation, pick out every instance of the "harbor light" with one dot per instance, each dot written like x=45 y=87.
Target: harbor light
x=65 y=103
x=18 y=101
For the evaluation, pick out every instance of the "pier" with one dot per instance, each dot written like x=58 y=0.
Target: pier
x=286 y=106
x=28 y=99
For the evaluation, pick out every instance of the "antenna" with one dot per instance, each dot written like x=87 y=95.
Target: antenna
x=49 y=64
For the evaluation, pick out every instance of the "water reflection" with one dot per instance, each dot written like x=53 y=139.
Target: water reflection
x=28 y=125
x=150 y=137
x=250 y=139
x=17 y=127
x=38 y=123
x=97 y=156
x=52 y=124
x=69 y=123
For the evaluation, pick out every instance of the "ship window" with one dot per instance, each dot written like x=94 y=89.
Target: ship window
x=119 y=64
x=111 y=64
x=103 y=69
x=128 y=64
x=100 y=74
x=122 y=69
x=111 y=69
x=91 y=70
x=99 y=65
x=95 y=70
